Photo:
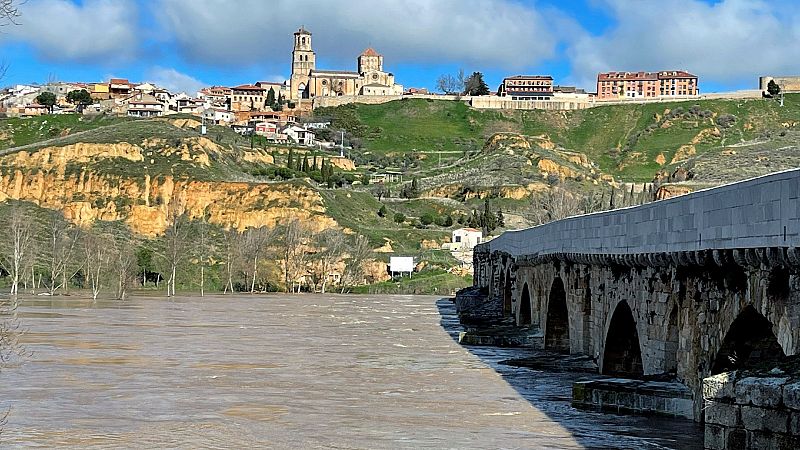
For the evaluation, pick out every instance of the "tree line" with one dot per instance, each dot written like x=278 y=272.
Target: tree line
x=45 y=253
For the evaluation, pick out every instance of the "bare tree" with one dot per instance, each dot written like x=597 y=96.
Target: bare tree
x=96 y=259
x=294 y=237
x=62 y=241
x=254 y=249
x=330 y=245
x=354 y=270
x=16 y=243
x=231 y=240
x=175 y=244
x=9 y=15
x=122 y=261
x=450 y=84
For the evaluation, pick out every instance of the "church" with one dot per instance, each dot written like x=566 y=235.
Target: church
x=308 y=82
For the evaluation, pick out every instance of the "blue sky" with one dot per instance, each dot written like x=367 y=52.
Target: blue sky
x=184 y=44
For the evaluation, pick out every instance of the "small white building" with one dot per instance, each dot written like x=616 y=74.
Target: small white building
x=465 y=239
x=299 y=135
x=218 y=116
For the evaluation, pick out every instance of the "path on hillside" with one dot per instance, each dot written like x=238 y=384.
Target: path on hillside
x=55 y=140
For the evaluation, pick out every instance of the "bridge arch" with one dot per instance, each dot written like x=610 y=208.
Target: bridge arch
x=556 y=336
x=525 y=310
x=622 y=354
x=748 y=342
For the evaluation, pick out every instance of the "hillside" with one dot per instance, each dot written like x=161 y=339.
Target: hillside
x=629 y=142
x=523 y=164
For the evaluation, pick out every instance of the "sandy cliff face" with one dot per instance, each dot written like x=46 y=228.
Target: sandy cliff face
x=41 y=177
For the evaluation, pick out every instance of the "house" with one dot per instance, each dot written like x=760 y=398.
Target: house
x=299 y=135
x=218 y=116
x=99 y=91
x=465 y=239
x=247 y=97
x=145 y=106
x=119 y=87
x=267 y=129
x=215 y=95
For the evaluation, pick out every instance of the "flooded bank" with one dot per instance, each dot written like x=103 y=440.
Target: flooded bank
x=290 y=372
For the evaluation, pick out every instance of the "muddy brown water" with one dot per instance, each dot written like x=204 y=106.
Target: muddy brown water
x=282 y=371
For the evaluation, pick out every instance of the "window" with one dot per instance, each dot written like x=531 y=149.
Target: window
x=458 y=238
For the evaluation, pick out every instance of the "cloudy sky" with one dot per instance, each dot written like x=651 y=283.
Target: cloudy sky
x=185 y=44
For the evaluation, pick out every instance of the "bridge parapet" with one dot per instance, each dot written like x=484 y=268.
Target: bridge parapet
x=762 y=212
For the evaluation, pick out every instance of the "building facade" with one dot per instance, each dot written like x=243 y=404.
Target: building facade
x=308 y=82
x=526 y=87
x=644 y=85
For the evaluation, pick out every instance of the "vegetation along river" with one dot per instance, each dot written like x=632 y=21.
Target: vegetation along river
x=282 y=371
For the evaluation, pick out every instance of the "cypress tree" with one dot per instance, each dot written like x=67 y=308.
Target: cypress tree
x=305 y=167
x=290 y=159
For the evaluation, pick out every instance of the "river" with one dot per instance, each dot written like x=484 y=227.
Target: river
x=277 y=371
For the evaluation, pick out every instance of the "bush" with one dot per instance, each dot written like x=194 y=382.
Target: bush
x=726 y=120
x=427 y=218
x=382 y=211
x=399 y=217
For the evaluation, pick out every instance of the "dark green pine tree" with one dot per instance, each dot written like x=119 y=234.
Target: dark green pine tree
x=290 y=159
x=314 y=166
x=270 y=97
x=305 y=167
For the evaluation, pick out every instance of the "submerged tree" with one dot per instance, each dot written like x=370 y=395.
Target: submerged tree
x=175 y=244
x=16 y=243
x=293 y=238
x=96 y=259
x=359 y=253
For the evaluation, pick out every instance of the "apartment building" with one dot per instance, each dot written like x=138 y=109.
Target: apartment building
x=527 y=87
x=644 y=85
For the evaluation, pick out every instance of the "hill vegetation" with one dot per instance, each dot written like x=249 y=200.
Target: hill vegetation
x=459 y=166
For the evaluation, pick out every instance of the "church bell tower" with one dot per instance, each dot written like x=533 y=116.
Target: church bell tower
x=303 y=62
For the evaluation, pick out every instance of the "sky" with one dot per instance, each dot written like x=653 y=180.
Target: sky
x=186 y=44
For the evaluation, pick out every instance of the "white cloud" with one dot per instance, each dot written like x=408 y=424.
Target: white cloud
x=62 y=30
x=175 y=81
x=495 y=33
x=731 y=42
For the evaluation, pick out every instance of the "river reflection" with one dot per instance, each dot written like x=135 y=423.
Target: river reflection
x=286 y=372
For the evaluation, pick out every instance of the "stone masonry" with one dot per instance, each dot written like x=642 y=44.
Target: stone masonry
x=660 y=290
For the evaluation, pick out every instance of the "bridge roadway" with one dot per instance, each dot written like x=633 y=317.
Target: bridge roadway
x=685 y=287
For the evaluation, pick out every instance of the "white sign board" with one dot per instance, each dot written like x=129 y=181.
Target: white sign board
x=401 y=264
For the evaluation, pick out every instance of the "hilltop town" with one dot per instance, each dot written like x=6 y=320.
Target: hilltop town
x=272 y=109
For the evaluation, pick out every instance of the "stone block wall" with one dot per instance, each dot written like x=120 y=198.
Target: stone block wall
x=751 y=412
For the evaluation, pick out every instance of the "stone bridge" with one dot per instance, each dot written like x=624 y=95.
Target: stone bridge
x=682 y=288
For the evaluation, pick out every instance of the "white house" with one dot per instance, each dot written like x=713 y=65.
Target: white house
x=218 y=115
x=299 y=135
x=145 y=106
x=465 y=239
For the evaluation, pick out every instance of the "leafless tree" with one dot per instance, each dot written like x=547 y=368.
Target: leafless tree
x=16 y=243
x=203 y=249
x=62 y=241
x=231 y=241
x=330 y=245
x=254 y=249
x=354 y=270
x=122 y=261
x=450 y=84
x=555 y=204
x=294 y=237
x=175 y=244
x=96 y=259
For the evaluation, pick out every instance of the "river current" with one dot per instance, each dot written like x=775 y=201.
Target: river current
x=278 y=371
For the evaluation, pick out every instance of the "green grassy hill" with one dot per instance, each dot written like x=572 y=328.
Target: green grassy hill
x=630 y=142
